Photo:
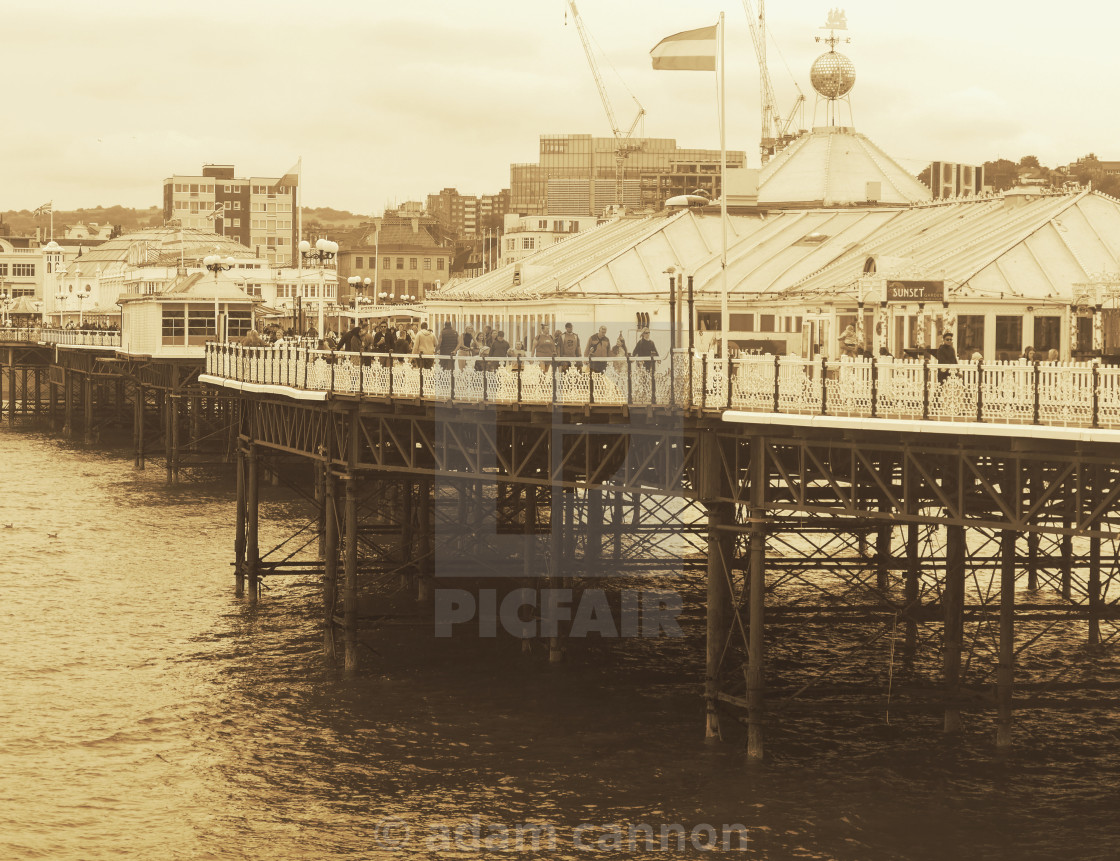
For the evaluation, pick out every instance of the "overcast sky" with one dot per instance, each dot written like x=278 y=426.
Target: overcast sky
x=389 y=101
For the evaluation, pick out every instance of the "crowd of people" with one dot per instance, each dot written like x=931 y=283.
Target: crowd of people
x=71 y=325
x=419 y=342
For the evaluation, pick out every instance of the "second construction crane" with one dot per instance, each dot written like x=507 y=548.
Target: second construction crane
x=623 y=145
x=775 y=133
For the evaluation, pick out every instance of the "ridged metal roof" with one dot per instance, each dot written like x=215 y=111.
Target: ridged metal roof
x=1034 y=246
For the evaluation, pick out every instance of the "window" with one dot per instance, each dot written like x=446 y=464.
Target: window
x=237 y=204
x=427 y=262
x=200 y=321
x=542 y=224
x=766 y=322
x=439 y=263
x=24 y=270
x=1047 y=334
x=173 y=325
x=229 y=189
x=387 y=263
x=738 y=322
x=411 y=262
x=399 y=291
x=239 y=323
x=511 y=245
x=359 y=263
x=970 y=335
x=3 y=268
x=387 y=285
x=1009 y=337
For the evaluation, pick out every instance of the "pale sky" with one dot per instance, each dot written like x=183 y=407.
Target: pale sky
x=390 y=101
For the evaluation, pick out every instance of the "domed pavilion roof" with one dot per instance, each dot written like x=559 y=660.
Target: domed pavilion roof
x=836 y=166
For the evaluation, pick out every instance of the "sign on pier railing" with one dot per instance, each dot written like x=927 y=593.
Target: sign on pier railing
x=1050 y=393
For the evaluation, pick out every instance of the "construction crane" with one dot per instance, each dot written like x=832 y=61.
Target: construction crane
x=623 y=146
x=775 y=133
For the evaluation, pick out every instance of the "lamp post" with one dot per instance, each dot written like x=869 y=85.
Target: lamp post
x=81 y=296
x=216 y=263
x=325 y=251
x=7 y=300
x=60 y=301
x=357 y=286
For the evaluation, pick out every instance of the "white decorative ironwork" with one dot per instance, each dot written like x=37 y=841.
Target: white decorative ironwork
x=1017 y=392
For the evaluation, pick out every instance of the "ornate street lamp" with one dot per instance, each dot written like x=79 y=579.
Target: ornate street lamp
x=216 y=263
x=81 y=296
x=325 y=251
x=358 y=286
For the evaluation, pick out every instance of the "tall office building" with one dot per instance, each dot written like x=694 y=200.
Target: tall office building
x=577 y=175
x=258 y=211
x=466 y=216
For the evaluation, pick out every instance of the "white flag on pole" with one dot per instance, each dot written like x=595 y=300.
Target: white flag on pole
x=692 y=50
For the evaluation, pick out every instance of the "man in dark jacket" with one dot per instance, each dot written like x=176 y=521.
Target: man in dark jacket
x=351 y=340
x=448 y=341
x=946 y=355
x=645 y=347
x=499 y=346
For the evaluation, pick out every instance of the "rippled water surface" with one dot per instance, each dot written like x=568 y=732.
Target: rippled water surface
x=146 y=713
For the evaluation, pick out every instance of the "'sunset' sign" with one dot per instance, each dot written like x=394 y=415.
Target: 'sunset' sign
x=915 y=291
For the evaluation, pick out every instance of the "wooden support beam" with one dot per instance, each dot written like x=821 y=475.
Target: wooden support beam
x=755 y=678
x=721 y=548
x=593 y=548
x=953 y=607
x=252 y=550
x=350 y=583
x=427 y=540
x=1005 y=670
x=239 y=536
x=330 y=560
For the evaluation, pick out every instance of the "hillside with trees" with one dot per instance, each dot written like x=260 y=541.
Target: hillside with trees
x=1003 y=173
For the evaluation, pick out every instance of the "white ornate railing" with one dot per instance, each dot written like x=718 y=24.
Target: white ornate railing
x=64 y=337
x=1069 y=394
x=81 y=337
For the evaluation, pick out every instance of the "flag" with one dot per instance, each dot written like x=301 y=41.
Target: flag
x=291 y=178
x=45 y=209
x=690 y=50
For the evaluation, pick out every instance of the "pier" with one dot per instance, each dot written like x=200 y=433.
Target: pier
x=958 y=519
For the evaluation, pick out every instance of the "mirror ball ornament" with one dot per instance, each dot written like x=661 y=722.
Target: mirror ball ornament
x=833 y=75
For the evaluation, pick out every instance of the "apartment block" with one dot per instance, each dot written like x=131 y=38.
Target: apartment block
x=258 y=211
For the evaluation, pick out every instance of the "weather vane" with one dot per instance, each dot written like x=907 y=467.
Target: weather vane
x=837 y=20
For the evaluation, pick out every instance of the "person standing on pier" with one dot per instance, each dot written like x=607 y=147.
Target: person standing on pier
x=646 y=350
x=448 y=341
x=425 y=345
x=946 y=355
x=598 y=347
x=352 y=339
x=545 y=346
x=499 y=346
x=569 y=345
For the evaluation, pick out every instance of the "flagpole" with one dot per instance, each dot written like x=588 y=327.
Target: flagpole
x=52 y=219
x=724 y=315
